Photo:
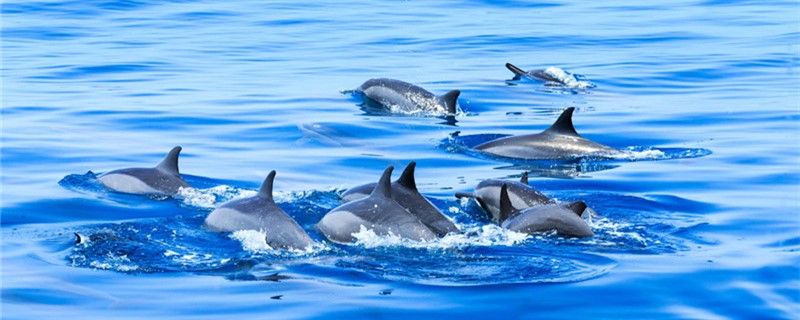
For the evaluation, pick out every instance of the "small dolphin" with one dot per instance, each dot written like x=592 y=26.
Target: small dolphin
x=551 y=75
x=164 y=179
x=408 y=97
x=522 y=195
x=559 y=142
x=405 y=192
x=378 y=213
x=565 y=220
x=260 y=213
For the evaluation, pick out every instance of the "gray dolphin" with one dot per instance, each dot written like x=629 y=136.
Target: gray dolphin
x=163 y=179
x=260 y=213
x=408 y=97
x=405 y=192
x=565 y=220
x=522 y=195
x=559 y=142
x=551 y=75
x=378 y=213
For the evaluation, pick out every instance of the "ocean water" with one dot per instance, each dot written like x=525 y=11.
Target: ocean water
x=700 y=222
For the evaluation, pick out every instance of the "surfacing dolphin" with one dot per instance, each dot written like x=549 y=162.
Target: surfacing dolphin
x=522 y=195
x=565 y=220
x=404 y=191
x=559 y=142
x=552 y=76
x=406 y=97
x=163 y=179
x=377 y=212
x=260 y=213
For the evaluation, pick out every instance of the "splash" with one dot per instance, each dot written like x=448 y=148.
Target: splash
x=567 y=79
x=485 y=236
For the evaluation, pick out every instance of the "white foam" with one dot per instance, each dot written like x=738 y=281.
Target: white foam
x=208 y=198
x=486 y=235
x=256 y=242
x=568 y=79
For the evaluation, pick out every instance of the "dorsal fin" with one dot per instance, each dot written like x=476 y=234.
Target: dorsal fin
x=524 y=178
x=407 y=178
x=266 y=187
x=578 y=207
x=450 y=99
x=170 y=162
x=506 y=208
x=517 y=71
x=384 y=186
x=564 y=123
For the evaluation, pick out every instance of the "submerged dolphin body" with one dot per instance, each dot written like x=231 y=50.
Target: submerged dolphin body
x=565 y=220
x=407 y=97
x=559 y=142
x=551 y=75
x=163 y=179
x=405 y=192
x=377 y=212
x=260 y=213
x=522 y=195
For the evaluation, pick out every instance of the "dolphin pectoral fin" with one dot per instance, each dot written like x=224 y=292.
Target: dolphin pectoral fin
x=564 y=124
x=524 y=178
x=266 y=187
x=170 y=162
x=465 y=195
x=450 y=100
x=384 y=186
x=407 y=177
x=517 y=71
x=578 y=207
x=506 y=208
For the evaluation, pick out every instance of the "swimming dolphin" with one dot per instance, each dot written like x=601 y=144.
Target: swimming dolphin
x=565 y=220
x=405 y=192
x=522 y=195
x=378 y=213
x=559 y=142
x=551 y=75
x=260 y=213
x=408 y=97
x=163 y=179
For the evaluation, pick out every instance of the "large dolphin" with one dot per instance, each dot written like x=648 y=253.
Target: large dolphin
x=378 y=213
x=163 y=179
x=260 y=213
x=559 y=142
x=551 y=75
x=404 y=191
x=565 y=220
x=408 y=97
x=522 y=195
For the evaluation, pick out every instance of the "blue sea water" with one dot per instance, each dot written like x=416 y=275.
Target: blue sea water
x=702 y=222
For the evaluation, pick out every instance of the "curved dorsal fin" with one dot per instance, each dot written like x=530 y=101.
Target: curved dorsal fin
x=564 y=123
x=407 y=178
x=506 y=208
x=170 y=162
x=384 y=186
x=450 y=99
x=524 y=178
x=266 y=186
x=578 y=207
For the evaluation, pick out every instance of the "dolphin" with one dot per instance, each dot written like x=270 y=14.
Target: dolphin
x=377 y=212
x=163 y=179
x=522 y=195
x=405 y=192
x=408 y=97
x=260 y=213
x=559 y=142
x=565 y=220
x=551 y=75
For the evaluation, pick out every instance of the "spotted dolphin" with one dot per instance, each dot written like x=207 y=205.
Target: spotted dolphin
x=377 y=212
x=260 y=213
x=404 y=191
x=163 y=179
x=564 y=220
x=407 y=97
x=552 y=76
x=559 y=142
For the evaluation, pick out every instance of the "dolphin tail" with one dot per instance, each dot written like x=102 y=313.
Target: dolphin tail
x=266 y=187
x=578 y=207
x=506 y=208
x=170 y=162
x=384 y=186
x=517 y=71
x=564 y=123
x=462 y=195
x=407 y=178
x=450 y=100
